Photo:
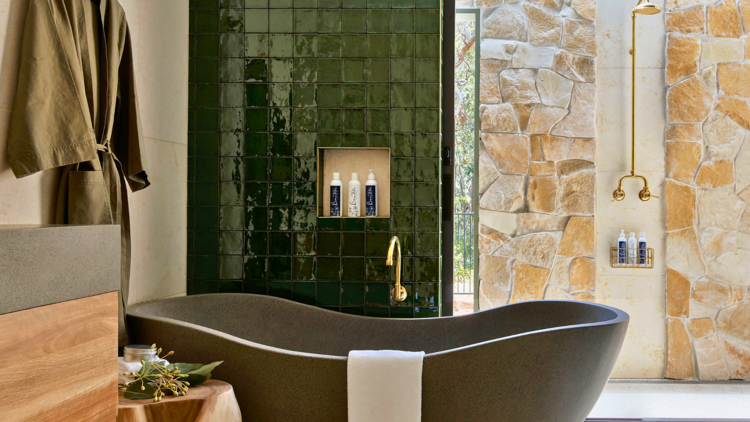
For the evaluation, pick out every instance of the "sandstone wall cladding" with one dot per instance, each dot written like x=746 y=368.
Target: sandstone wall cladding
x=537 y=172
x=707 y=198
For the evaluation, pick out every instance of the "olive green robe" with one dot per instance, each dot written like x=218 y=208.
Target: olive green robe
x=76 y=108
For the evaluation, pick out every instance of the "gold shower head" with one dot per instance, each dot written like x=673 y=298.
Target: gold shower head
x=646 y=8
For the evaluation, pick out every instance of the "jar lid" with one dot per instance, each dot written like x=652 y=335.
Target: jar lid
x=137 y=352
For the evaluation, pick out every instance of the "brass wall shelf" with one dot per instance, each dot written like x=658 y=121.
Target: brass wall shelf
x=617 y=261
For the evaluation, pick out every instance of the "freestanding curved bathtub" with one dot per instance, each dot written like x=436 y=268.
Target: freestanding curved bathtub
x=527 y=362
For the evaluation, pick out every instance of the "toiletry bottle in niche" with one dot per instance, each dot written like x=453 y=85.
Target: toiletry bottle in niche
x=354 y=195
x=371 y=196
x=632 y=248
x=642 y=246
x=622 y=248
x=336 y=195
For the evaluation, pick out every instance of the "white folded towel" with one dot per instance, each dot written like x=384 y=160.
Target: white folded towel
x=384 y=385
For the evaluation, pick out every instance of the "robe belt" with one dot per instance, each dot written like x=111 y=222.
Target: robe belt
x=103 y=147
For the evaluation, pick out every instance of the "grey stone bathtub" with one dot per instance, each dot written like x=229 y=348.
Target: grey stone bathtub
x=532 y=361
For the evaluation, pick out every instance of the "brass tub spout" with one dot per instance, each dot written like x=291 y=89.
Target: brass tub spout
x=399 y=292
x=644 y=194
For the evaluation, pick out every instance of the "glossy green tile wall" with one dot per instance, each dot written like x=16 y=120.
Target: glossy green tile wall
x=272 y=80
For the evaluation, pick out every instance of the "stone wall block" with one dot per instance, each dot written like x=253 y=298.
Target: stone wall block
x=575 y=67
x=506 y=22
x=738 y=359
x=701 y=327
x=684 y=255
x=528 y=282
x=718 y=50
x=510 y=152
x=682 y=57
x=534 y=57
x=519 y=86
x=678 y=294
x=543 y=168
x=684 y=132
x=579 y=37
x=550 y=4
x=487 y=171
x=722 y=136
x=711 y=365
x=577 y=187
x=689 y=101
x=506 y=194
x=742 y=166
x=582 y=275
x=683 y=158
x=691 y=21
x=719 y=208
x=542 y=194
x=500 y=50
x=559 y=278
x=536 y=249
x=715 y=241
x=724 y=20
x=535 y=223
x=545 y=25
x=736 y=109
x=489 y=81
x=679 y=351
x=585 y=8
x=716 y=174
x=543 y=118
x=578 y=238
x=733 y=266
x=734 y=322
x=498 y=118
x=712 y=292
x=558 y=149
x=745 y=13
x=554 y=89
x=495 y=270
x=523 y=113
x=490 y=239
x=581 y=122
x=733 y=79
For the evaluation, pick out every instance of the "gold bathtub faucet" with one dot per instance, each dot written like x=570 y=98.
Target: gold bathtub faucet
x=399 y=292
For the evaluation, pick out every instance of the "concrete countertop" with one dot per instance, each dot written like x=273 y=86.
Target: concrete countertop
x=42 y=265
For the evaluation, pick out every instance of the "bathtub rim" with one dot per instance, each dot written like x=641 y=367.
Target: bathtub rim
x=620 y=317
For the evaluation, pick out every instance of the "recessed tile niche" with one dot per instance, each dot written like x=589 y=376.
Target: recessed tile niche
x=346 y=161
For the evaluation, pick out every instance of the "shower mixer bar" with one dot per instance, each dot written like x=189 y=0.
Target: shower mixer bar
x=645 y=194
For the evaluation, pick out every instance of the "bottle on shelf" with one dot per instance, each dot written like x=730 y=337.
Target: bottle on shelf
x=632 y=248
x=354 y=196
x=642 y=249
x=336 y=195
x=371 y=196
x=622 y=248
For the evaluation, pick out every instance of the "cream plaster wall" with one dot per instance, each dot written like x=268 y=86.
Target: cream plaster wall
x=159 y=31
x=639 y=292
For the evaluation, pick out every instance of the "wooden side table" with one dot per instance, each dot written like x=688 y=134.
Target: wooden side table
x=212 y=401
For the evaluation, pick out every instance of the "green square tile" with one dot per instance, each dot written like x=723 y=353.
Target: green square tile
x=255 y=268
x=205 y=21
x=280 y=194
x=427 y=194
x=330 y=4
x=402 y=45
x=354 y=70
x=232 y=45
x=282 y=70
x=378 y=120
x=282 y=144
x=428 y=45
x=305 y=20
x=305 y=70
x=355 y=140
x=256 y=20
x=330 y=120
x=329 y=269
x=377 y=270
x=208 y=4
x=354 y=4
x=329 y=244
x=231 y=95
x=427 y=145
x=305 y=120
x=206 y=243
x=256 y=218
x=402 y=95
x=353 y=269
x=378 y=21
x=207 y=120
x=378 y=95
x=303 y=268
x=207 y=169
x=428 y=21
x=427 y=269
x=254 y=287
x=305 y=3
x=281 y=45
x=403 y=4
x=281 y=21
x=281 y=169
x=256 y=119
x=329 y=21
x=330 y=95
x=431 y=4
x=256 y=95
x=231 y=169
x=206 y=194
x=379 y=140
x=354 y=20
x=305 y=45
x=352 y=294
x=354 y=120
x=304 y=95
x=378 y=70
x=207 y=45
x=256 y=243
x=329 y=224
x=403 y=21
x=329 y=140
x=232 y=193
x=232 y=70
x=230 y=268
x=206 y=267
x=329 y=45
x=428 y=120
x=329 y=70
x=280 y=4
x=377 y=312
x=305 y=194
x=402 y=70
x=207 y=95
x=280 y=289
x=304 y=144
x=427 y=294
x=427 y=70
x=207 y=70
x=304 y=243
x=402 y=120
x=402 y=194
x=402 y=169
x=279 y=219
x=354 y=95
x=256 y=70
x=305 y=169
x=279 y=243
x=280 y=268
x=232 y=20
x=428 y=95
x=256 y=45
x=402 y=219
x=207 y=143
x=205 y=286
x=353 y=224
x=428 y=244
x=304 y=218
x=378 y=45
x=280 y=95
x=231 y=119
x=328 y=293
x=253 y=4
x=428 y=219
x=377 y=244
x=353 y=244
x=256 y=194
x=238 y=4
x=378 y=4
x=303 y=292
x=377 y=225
x=354 y=45
x=400 y=310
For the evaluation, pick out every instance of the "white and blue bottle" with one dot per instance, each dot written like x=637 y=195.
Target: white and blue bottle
x=622 y=248
x=336 y=195
x=354 y=196
x=371 y=196
x=632 y=247
x=642 y=245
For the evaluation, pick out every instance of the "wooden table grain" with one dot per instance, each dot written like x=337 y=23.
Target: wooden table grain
x=212 y=401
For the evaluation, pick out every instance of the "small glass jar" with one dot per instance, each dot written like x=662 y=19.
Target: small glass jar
x=139 y=352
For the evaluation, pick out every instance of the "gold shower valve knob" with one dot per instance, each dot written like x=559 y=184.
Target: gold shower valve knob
x=618 y=194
